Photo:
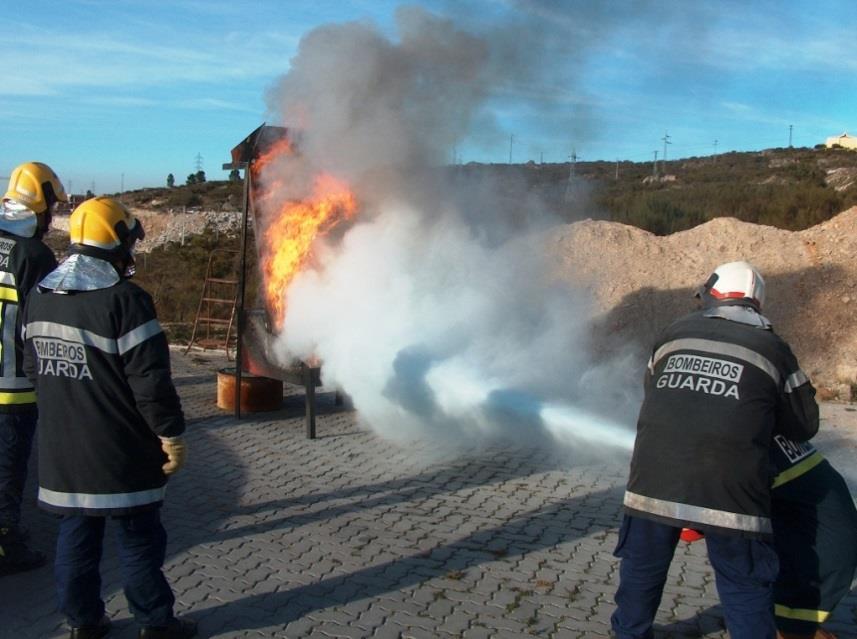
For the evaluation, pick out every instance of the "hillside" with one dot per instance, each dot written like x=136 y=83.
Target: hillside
x=641 y=276
x=786 y=188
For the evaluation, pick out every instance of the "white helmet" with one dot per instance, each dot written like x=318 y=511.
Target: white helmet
x=735 y=282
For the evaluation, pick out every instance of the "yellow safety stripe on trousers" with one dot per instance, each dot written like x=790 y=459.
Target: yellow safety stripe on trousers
x=26 y=397
x=8 y=294
x=798 y=469
x=802 y=614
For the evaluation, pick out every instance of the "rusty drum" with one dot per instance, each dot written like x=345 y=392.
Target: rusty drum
x=258 y=394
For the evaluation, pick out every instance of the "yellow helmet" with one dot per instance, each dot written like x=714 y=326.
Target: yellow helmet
x=104 y=223
x=36 y=186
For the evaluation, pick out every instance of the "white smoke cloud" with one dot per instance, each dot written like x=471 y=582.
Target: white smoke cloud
x=436 y=312
x=432 y=333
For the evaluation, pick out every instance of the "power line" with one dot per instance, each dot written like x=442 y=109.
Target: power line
x=666 y=140
x=693 y=149
x=572 y=170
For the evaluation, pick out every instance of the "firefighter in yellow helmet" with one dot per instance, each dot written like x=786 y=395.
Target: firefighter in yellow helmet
x=93 y=342
x=25 y=216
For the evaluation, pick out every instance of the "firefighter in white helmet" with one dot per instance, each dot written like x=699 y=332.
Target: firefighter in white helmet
x=25 y=216
x=110 y=425
x=720 y=385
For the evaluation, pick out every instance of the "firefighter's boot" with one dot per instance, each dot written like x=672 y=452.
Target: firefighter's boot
x=96 y=631
x=176 y=629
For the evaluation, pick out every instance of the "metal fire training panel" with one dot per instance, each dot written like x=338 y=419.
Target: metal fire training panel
x=255 y=144
x=253 y=346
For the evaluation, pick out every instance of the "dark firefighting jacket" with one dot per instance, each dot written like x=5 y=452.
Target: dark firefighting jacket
x=815 y=524
x=23 y=262
x=101 y=366
x=720 y=384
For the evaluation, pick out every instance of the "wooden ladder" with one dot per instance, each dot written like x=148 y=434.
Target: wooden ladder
x=215 y=315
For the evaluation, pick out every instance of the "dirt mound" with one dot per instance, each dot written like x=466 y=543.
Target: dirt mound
x=641 y=282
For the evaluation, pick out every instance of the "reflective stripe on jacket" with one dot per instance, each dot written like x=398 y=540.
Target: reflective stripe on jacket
x=23 y=262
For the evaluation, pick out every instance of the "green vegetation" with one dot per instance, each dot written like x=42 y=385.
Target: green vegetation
x=786 y=188
x=196 y=178
x=212 y=196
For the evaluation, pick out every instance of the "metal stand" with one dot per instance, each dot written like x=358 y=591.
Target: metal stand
x=242 y=283
x=309 y=394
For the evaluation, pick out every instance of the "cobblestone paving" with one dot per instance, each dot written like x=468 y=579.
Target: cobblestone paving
x=274 y=535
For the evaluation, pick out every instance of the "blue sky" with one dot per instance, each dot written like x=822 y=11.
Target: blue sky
x=123 y=92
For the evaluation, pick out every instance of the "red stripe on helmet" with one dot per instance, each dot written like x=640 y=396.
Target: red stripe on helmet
x=731 y=295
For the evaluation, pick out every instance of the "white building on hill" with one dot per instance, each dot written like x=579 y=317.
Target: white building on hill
x=845 y=141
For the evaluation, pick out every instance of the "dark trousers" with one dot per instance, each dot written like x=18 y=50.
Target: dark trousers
x=815 y=533
x=744 y=569
x=142 y=543
x=16 y=442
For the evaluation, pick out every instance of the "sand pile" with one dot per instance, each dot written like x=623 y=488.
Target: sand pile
x=642 y=282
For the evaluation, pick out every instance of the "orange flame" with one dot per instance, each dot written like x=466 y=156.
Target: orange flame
x=280 y=147
x=287 y=238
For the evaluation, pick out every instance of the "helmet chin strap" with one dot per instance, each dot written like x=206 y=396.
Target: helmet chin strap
x=43 y=223
x=702 y=291
x=128 y=266
x=130 y=269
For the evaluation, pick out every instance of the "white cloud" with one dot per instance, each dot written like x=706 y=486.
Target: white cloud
x=120 y=101
x=736 y=107
x=40 y=63
x=763 y=45
x=215 y=104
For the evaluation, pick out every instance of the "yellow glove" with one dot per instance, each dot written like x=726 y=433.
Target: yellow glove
x=176 y=451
